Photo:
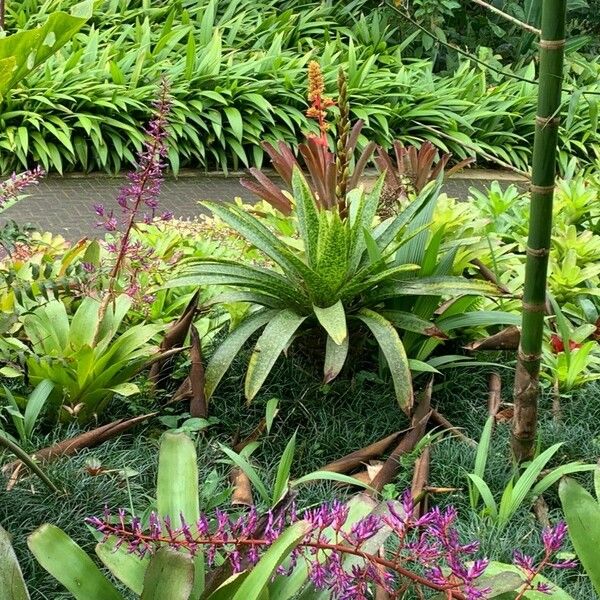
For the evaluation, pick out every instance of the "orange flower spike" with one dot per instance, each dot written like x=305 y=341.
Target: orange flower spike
x=319 y=102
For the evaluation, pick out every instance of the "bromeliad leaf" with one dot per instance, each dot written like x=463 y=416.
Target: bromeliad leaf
x=335 y=357
x=70 y=565
x=12 y=584
x=436 y=286
x=333 y=320
x=228 y=350
x=582 y=513
x=308 y=217
x=170 y=576
x=126 y=567
x=389 y=341
x=269 y=346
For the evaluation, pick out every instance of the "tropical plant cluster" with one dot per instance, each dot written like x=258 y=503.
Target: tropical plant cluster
x=236 y=71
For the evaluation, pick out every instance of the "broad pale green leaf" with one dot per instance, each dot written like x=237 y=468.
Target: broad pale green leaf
x=499 y=584
x=273 y=340
x=177 y=481
x=222 y=358
x=170 y=576
x=391 y=345
x=12 y=584
x=126 y=389
x=84 y=323
x=333 y=320
x=70 y=565
x=127 y=567
x=335 y=357
x=177 y=490
x=496 y=568
x=582 y=514
x=22 y=52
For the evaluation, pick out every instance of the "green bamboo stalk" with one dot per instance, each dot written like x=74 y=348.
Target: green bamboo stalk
x=28 y=462
x=526 y=386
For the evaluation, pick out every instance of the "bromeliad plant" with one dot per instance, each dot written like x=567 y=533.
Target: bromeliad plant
x=409 y=170
x=341 y=277
x=86 y=357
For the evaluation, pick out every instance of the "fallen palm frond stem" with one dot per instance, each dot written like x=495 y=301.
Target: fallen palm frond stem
x=507 y=339
x=242 y=489
x=88 y=439
x=408 y=442
x=198 y=405
x=174 y=337
x=495 y=394
x=355 y=459
x=419 y=481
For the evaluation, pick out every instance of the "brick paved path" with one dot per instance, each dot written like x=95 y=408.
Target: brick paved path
x=64 y=204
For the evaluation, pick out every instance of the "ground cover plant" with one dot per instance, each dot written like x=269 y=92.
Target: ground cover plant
x=227 y=62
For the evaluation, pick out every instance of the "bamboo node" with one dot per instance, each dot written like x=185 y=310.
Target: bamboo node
x=540 y=252
x=552 y=44
x=541 y=189
x=529 y=357
x=531 y=307
x=545 y=121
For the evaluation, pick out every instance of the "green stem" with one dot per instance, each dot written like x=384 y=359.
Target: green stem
x=543 y=173
x=28 y=462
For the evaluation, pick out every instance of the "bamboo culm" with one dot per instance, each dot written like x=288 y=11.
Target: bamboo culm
x=526 y=386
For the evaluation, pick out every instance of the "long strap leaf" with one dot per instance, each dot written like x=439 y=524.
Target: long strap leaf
x=269 y=346
x=391 y=345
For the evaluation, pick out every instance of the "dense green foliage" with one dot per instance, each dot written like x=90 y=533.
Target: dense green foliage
x=237 y=71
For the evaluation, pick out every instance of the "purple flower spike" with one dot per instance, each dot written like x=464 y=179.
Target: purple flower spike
x=14 y=186
x=553 y=537
x=339 y=554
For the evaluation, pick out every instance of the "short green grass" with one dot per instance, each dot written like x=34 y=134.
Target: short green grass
x=330 y=421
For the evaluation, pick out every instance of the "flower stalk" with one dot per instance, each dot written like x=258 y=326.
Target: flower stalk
x=138 y=198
